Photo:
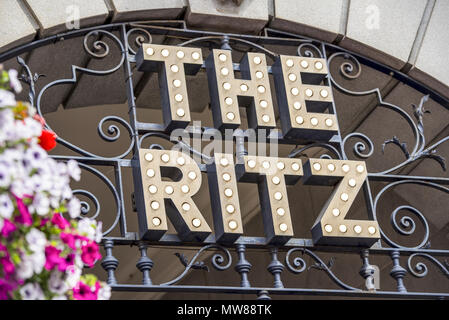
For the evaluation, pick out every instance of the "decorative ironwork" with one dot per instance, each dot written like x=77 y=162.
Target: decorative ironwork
x=131 y=37
x=299 y=266
x=217 y=263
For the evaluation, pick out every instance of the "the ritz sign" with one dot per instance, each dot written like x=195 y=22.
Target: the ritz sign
x=303 y=101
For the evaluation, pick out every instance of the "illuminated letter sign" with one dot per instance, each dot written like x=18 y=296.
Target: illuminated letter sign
x=173 y=198
x=306 y=114
x=228 y=93
x=171 y=63
x=331 y=227
x=302 y=101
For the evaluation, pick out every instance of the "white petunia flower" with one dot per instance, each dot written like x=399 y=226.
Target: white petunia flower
x=36 y=240
x=41 y=204
x=34 y=157
x=86 y=227
x=73 y=275
x=6 y=206
x=74 y=208
x=6 y=117
x=38 y=259
x=104 y=293
x=34 y=126
x=14 y=81
x=98 y=232
x=5 y=178
x=73 y=169
x=7 y=98
x=25 y=269
x=56 y=283
x=31 y=291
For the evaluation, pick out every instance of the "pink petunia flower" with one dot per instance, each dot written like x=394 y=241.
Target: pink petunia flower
x=90 y=253
x=25 y=217
x=5 y=289
x=8 y=266
x=83 y=292
x=60 y=221
x=52 y=257
x=66 y=262
x=8 y=228
x=68 y=239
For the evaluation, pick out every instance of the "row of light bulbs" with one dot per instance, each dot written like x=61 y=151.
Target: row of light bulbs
x=344 y=197
x=169 y=189
x=180 y=112
x=294 y=91
x=230 y=209
x=243 y=87
x=280 y=165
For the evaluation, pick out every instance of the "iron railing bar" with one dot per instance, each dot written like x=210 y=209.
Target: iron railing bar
x=278 y=291
x=173 y=241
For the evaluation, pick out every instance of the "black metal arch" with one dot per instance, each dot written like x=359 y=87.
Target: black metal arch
x=139 y=131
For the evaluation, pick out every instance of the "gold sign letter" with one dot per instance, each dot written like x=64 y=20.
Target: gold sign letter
x=228 y=93
x=169 y=62
x=172 y=198
x=224 y=198
x=272 y=175
x=331 y=227
x=302 y=101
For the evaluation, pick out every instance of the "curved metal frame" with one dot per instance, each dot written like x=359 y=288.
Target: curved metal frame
x=351 y=69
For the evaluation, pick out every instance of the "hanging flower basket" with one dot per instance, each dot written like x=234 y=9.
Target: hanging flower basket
x=44 y=243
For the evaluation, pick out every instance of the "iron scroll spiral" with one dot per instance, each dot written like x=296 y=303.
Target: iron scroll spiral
x=406 y=222
x=217 y=262
x=299 y=265
x=420 y=270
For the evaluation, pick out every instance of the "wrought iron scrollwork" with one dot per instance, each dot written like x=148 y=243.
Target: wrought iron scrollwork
x=85 y=207
x=421 y=152
x=418 y=152
x=97 y=46
x=300 y=265
x=217 y=262
x=143 y=37
x=309 y=50
x=360 y=146
x=298 y=152
x=406 y=225
x=420 y=269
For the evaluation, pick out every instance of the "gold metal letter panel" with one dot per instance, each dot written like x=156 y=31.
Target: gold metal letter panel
x=297 y=93
x=173 y=71
x=225 y=198
x=331 y=227
x=183 y=212
x=275 y=173
x=253 y=66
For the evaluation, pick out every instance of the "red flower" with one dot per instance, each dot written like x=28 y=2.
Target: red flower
x=47 y=140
